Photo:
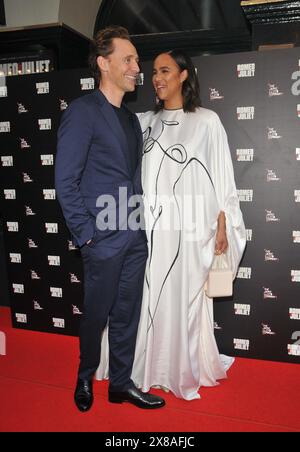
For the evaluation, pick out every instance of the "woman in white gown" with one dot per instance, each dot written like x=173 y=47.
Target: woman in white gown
x=192 y=213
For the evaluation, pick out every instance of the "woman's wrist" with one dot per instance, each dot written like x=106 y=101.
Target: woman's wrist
x=222 y=221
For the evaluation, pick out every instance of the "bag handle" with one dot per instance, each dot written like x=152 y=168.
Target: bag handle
x=220 y=261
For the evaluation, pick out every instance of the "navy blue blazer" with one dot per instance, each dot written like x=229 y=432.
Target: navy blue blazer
x=92 y=160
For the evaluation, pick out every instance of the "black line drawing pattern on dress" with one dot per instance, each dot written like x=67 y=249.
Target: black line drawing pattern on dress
x=177 y=153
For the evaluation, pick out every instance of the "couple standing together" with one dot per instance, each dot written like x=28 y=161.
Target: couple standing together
x=147 y=321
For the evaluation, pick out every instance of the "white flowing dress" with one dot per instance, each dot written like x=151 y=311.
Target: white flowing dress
x=187 y=177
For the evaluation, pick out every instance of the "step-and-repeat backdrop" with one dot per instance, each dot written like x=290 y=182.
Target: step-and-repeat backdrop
x=257 y=96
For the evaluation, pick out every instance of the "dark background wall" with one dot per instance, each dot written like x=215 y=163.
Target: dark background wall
x=4 y=297
x=2 y=13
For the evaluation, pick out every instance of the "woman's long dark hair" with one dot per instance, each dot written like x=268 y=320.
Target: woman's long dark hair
x=190 y=87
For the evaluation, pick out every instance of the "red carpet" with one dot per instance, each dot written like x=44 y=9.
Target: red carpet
x=37 y=377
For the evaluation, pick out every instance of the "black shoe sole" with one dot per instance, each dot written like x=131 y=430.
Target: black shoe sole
x=84 y=409
x=115 y=399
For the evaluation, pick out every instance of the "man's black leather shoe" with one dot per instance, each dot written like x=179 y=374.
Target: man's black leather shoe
x=83 y=396
x=137 y=398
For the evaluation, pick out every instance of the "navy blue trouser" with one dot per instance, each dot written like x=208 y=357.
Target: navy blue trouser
x=113 y=292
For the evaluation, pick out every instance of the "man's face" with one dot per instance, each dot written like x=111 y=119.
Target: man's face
x=122 y=66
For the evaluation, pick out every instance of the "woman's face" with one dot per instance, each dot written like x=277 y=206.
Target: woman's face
x=167 y=80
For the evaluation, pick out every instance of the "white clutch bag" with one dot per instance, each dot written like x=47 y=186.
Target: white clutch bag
x=220 y=278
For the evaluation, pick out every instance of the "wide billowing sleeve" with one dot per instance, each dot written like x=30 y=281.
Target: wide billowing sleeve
x=224 y=182
x=74 y=140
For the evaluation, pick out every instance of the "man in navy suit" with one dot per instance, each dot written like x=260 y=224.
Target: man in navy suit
x=99 y=155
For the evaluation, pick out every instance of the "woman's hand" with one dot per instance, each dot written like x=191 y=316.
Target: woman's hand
x=221 y=236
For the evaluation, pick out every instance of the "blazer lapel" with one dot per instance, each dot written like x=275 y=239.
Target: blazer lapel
x=139 y=136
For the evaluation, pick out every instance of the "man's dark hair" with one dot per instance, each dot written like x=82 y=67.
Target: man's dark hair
x=102 y=45
x=190 y=87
